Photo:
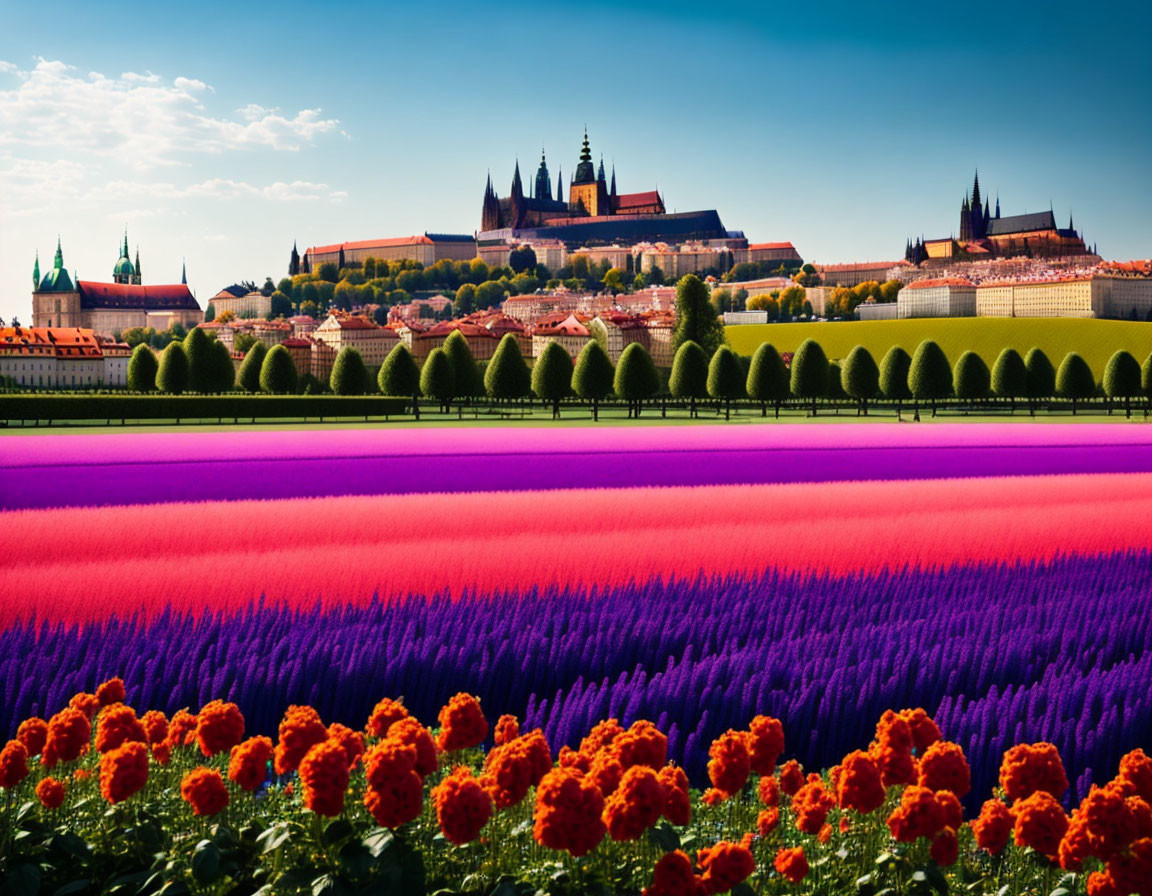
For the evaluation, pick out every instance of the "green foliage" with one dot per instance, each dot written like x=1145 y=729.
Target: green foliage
x=172 y=374
x=328 y=272
x=507 y=375
x=209 y=313
x=930 y=376
x=1146 y=376
x=1041 y=382
x=489 y=294
x=809 y=378
x=970 y=377
x=696 y=319
x=142 y=369
x=281 y=305
x=349 y=375
x=1009 y=375
x=250 y=367
x=835 y=387
x=552 y=374
x=894 y=374
x=689 y=377
x=1122 y=376
x=399 y=374
x=765 y=303
x=636 y=377
x=1074 y=379
x=222 y=372
x=197 y=349
x=468 y=380
x=437 y=378
x=465 y=301
x=522 y=258
x=593 y=376
x=767 y=376
x=278 y=372
x=859 y=376
x=725 y=375
x=242 y=342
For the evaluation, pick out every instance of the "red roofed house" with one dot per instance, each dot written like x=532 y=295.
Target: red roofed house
x=570 y=334
x=300 y=351
x=948 y=297
x=372 y=341
x=427 y=249
x=61 y=358
x=785 y=253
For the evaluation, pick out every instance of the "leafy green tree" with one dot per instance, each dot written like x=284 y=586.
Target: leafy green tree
x=285 y=286
x=614 y=281
x=349 y=374
x=1074 y=379
x=860 y=377
x=970 y=378
x=689 y=379
x=696 y=319
x=281 y=305
x=278 y=372
x=1041 y=377
x=592 y=380
x=930 y=376
x=223 y=372
x=209 y=313
x=721 y=300
x=489 y=294
x=507 y=376
x=552 y=376
x=172 y=374
x=328 y=272
x=242 y=341
x=468 y=380
x=1122 y=379
x=725 y=378
x=400 y=376
x=198 y=351
x=767 y=378
x=250 y=367
x=310 y=385
x=438 y=379
x=522 y=258
x=636 y=377
x=1009 y=377
x=809 y=378
x=142 y=369
x=1146 y=378
x=894 y=376
x=465 y=302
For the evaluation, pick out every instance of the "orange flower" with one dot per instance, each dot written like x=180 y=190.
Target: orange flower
x=569 y=812
x=248 y=764
x=118 y=725
x=388 y=759
x=601 y=735
x=811 y=806
x=636 y=805
x=1040 y=823
x=945 y=848
x=1130 y=871
x=792 y=864
x=514 y=766
x=351 y=741
x=300 y=730
x=1136 y=770
x=768 y=790
x=924 y=730
x=182 y=729
x=993 y=827
x=845 y=824
x=112 y=691
x=507 y=729
x=713 y=797
x=463 y=807
x=642 y=744
x=858 y=786
x=765 y=744
x=574 y=759
x=50 y=792
x=767 y=821
x=895 y=732
x=606 y=771
x=791 y=777
x=944 y=767
x=724 y=865
x=86 y=703
x=951 y=809
x=1028 y=768
x=81 y=774
x=155 y=727
x=68 y=734
x=123 y=771
x=162 y=752
x=410 y=731
x=13 y=763
x=1141 y=817
x=33 y=733
x=395 y=792
x=1101 y=826
x=673 y=876
x=730 y=762
x=918 y=815
x=219 y=727
x=203 y=789
x=677 y=804
x=825 y=833
x=324 y=776
x=384 y=715
x=462 y=724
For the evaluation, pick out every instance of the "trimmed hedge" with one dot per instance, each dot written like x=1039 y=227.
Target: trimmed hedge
x=195 y=407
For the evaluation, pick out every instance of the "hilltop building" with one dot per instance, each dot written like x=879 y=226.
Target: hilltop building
x=61 y=358
x=427 y=248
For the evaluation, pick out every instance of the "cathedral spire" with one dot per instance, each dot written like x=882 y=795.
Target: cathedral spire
x=36 y=272
x=139 y=276
x=585 y=151
x=58 y=261
x=976 y=203
x=559 y=185
x=184 y=268
x=997 y=205
x=517 y=186
x=600 y=174
x=612 y=191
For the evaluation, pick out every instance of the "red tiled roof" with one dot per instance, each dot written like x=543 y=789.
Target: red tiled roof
x=632 y=200
x=771 y=246
x=861 y=266
x=68 y=342
x=939 y=281
x=296 y=342
x=570 y=326
x=391 y=242
x=173 y=297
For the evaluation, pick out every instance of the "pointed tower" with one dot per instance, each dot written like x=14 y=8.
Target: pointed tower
x=36 y=272
x=490 y=213
x=987 y=218
x=612 y=191
x=294 y=261
x=137 y=280
x=600 y=174
x=997 y=205
x=123 y=272
x=184 y=267
x=518 y=210
x=965 y=220
x=543 y=180
x=517 y=186
x=584 y=194
x=559 y=185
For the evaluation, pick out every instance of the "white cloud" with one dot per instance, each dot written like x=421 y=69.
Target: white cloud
x=218 y=188
x=7 y=66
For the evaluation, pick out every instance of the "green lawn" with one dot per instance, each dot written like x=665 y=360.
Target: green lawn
x=1096 y=340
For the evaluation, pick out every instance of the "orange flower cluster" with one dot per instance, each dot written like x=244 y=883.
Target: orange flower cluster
x=945 y=848
x=569 y=810
x=410 y=731
x=677 y=804
x=182 y=729
x=463 y=806
x=155 y=727
x=462 y=724
x=395 y=792
x=110 y=692
x=993 y=827
x=1040 y=823
x=50 y=792
x=118 y=725
x=673 y=876
x=767 y=821
x=507 y=729
x=1028 y=768
x=384 y=715
x=13 y=763
x=636 y=805
x=765 y=744
x=514 y=766
x=791 y=777
x=1135 y=771
x=87 y=703
x=324 y=776
x=924 y=813
x=811 y=805
x=724 y=865
x=123 y=771
x=248 y=764
x=893 y=748
x=204 y=790
x=351 y=741
x=642 y=744
x=729 y=762
x=792 y=864
x=33 y=733
x=219 y=727
x=1127 y=872
x=858 y=784
x=68 y=734
x=943 y=766
x=768 y=790
x=300 y=730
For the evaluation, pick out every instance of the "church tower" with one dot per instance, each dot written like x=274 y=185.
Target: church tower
x=519 y=208
x=543 y=189
x=584 y=194
x=124 y=272
x=490 y=218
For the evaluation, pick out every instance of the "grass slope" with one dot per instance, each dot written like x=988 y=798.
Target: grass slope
x=1096 y=340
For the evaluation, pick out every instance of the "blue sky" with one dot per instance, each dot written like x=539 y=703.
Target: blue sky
x=220 y=133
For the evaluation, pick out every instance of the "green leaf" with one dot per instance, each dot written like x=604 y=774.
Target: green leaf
x=206 y=862
x=884 y=858
x=23 y=880
x=664 y=836
x=355 y=859
x=275 y=837
x=1060 y=891
x=936 y=879
x=337 y=831
x=378 y=842
x=1004 y=890
x=76 y=886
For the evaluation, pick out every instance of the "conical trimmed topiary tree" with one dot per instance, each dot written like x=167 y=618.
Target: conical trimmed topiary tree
x=507 y=376
x=223 y=371
x=725 y=378
x=1074 y=379
x=930 y=375
x=592 y=379
x=1041 y=377
x=767 y=378
x=278 y=372
x=860 y=377
x=696 y=318
x=438 y=378
x=894 y=376
x=349 y=375
x=172 y=374
x=1122 y=379
x=250 y=367
x=970 y=378
x=809 y=375
x=552 y=376
x=399 y=376
x=198 y=350
x=636 y=377
x=1010 y=377
x=689 y=379
x=469 y=383
x=142 y=369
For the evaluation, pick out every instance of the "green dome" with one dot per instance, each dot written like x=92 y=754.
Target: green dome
x=123 y=267
x=56 y=280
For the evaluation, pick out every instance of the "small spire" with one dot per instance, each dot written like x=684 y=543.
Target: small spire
x=184 y=269
x=58 y=262
x=36 y=272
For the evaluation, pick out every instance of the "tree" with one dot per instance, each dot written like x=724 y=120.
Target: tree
x=725 y=378
x=1009 y=376
x=328 y=272
x=142 y=369
x=1041 y=377
x=552 y=376
x=241 y=342
x=198 y=351
x=278 y=372
x=226 y=316
x=721 y=300
x=399 y=376
x=465 y=301
x=468 y=380
x=507 y=375
x=268 y=288
x=696 y=319
x=636 y=377
x=172 y=374
x=1074 y=379
x=592 y=379
x=809 y=377
x=970 y=377
x=894 y=376
x=349 y=375
x=522 y=258
x=250 y=367
x=930 y=376
x=1146 y=379
x=281 y=305
x=489 y=294
x=438 y=379
x=614 y=281
x=767 y=378
x=1122 y=379
x=689 y=379
x=223 y=372
x=766 y=303
x=209 y=313
x=860 y=377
